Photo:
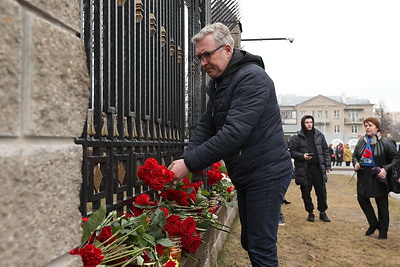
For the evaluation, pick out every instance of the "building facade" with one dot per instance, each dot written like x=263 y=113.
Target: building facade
x=340 y=118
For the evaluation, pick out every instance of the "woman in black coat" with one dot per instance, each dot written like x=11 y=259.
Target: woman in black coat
x=373 y=159
x=339 y=154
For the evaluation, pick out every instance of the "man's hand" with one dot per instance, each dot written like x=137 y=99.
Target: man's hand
x=178 y=167
x=307 y=157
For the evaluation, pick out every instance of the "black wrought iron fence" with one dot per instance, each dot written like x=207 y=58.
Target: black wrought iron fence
x=136 y=58
x=145 y=91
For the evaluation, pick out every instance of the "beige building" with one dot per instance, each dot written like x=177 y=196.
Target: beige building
x=340 y=118
x=394 y=116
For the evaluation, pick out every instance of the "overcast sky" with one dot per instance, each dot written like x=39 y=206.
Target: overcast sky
x=349 y=47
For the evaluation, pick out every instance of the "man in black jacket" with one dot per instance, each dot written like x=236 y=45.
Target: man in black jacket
x=311 y=157
x=242 y=126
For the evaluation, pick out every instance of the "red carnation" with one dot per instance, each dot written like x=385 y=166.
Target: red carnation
x=181 y=197
x=173 y=225
x=230 y=189
x=192 y=243
x=91 y=255
x=137 y=211
x=127 y=215
x=196 y=185
x=74 y=251
x=105 y=234
x=154 y=175
x=216 y=165
x=186 y=181
x=168 y=175
x=151 y=163
x=143 y=199
x=188 y=226
x=160 y=249
x=156 y=185
x=174 y=219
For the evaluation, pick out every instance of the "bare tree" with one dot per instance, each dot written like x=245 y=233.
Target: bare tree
x=384 y=117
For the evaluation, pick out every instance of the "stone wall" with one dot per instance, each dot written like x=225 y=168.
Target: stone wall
x=43 y=97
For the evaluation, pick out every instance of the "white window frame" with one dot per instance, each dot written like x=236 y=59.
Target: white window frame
x=336 y=113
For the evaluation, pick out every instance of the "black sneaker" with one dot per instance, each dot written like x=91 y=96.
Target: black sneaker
x=382 y=235
x=311 y=217
x=323 y=217
x=281 y=219
x=371 y=230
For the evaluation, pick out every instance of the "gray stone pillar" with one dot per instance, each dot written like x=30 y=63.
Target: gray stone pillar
x=43 y=97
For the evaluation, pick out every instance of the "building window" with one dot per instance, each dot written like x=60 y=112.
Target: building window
x=319 y=114
x=286 y=114
x=353 y=115
x=336 y=129
x=302 y=114
x=354 y=129
x=336 y=113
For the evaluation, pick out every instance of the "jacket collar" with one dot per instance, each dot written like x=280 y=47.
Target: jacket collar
x=374 y=139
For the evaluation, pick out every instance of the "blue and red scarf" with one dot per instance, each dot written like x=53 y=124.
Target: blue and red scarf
x=367 y=159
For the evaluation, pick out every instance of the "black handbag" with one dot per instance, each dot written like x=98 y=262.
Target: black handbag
x=394 y=181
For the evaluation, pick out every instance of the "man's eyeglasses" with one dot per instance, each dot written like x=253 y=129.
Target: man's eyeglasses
x=207 y=55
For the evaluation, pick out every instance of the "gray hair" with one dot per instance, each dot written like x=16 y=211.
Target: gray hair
x=221 y=33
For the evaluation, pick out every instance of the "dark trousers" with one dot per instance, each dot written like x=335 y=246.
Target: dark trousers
x=314 y=178
x=259 y=208
x=382 y=222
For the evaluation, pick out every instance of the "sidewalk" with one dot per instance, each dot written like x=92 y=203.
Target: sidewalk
x=343 y=169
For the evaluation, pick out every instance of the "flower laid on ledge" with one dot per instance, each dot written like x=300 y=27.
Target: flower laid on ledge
x=221 y=184
x=158 y=230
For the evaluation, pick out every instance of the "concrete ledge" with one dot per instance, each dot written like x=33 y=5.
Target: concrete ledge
x=66 y=260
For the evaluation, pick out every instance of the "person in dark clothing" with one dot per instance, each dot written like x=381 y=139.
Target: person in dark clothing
x=332 y=154
x=241 y=125
x=311 y=157
x=373 y=159
x=339 y=154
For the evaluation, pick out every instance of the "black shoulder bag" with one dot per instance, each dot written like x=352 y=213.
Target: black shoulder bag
x=394 y=180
